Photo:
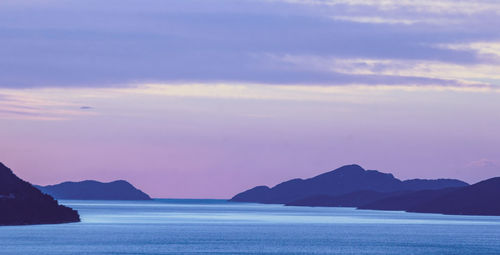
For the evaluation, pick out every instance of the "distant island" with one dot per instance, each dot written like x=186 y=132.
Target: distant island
x=23 y=204
x=353 y=186
x=341 y=181
x=94 y=190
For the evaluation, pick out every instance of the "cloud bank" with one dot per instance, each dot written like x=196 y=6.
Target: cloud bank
x=335 y=42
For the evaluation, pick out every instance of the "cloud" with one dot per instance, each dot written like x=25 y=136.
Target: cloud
x=488 y=51
x=115 y=44
x=423 y=6
x=380 y=20
x=37 y=104
x=483 y=163
x=60 y=103
x=401 y=72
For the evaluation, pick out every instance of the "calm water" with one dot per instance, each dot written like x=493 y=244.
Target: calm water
x=219 y=227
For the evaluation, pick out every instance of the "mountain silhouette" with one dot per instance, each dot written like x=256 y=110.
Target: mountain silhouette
x=354 y=199
x=344 y=180
x=478 y=199
x=23 y=204
x=404 y=201
x=94 y=190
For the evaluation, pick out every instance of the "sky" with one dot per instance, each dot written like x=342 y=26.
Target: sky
x=204 y=99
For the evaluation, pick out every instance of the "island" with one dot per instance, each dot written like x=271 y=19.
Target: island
x=23 y=204
x=481 y=198
x=95 y=190
x=339 y=182
x=352 y=186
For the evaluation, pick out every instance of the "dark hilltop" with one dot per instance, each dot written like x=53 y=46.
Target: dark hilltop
x=23 y=204
x=94 y=190
x=353 y=186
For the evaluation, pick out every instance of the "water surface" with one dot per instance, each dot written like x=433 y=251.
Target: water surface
x=175 y=226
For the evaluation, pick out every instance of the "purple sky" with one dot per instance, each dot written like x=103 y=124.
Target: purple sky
x=208 y=98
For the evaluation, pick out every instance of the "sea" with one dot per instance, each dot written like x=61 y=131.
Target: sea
x=193 y=226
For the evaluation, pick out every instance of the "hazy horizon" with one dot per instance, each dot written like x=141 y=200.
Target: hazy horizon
x=204 y=99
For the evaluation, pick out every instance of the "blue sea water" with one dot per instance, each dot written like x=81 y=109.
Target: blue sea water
x=175 y=226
